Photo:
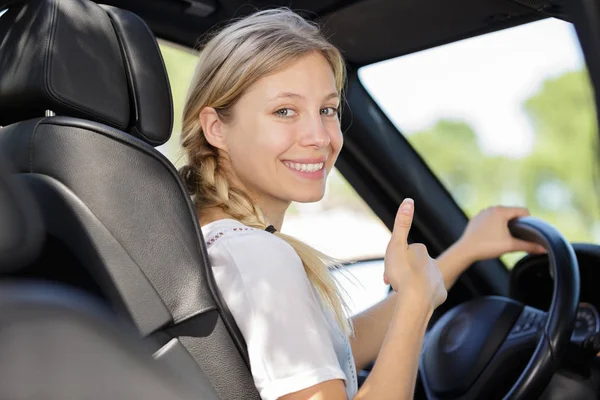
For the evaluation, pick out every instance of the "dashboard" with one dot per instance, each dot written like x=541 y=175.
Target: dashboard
x=531 y=283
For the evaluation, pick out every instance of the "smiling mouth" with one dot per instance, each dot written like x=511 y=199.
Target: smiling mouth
x=302 y=167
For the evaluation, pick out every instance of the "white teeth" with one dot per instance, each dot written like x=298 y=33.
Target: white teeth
x=304 y=167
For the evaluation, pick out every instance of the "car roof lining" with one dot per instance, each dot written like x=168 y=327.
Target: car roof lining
x=366 y=31
x=375 y=30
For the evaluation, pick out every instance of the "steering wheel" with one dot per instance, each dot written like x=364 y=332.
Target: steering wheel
x=475 y=346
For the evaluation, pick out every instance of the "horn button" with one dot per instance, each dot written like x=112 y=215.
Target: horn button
x=463 y=342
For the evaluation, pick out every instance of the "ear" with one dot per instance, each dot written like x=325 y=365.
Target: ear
x=212 y=127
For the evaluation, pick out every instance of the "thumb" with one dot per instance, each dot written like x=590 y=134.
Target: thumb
x=403 y=222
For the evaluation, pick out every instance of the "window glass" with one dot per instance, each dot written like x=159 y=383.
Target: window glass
x=180 y=63
x=505 y=118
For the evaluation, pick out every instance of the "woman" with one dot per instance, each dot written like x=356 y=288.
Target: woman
x=261 y=129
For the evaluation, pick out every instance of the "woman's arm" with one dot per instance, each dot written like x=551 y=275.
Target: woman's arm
x=486 y=236
x=395 y=372
x=370 y=328
x=371 y=325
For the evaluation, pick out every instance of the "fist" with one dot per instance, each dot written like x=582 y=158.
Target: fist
x=409 y=268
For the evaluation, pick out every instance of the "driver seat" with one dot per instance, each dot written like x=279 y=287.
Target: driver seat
x=118 y=221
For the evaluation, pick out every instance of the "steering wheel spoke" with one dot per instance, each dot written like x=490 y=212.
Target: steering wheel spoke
x=525 y=337
x=526 y=331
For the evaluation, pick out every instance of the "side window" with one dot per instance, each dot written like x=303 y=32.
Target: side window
x=180 y=63
x=340 y=225
x=505 y=118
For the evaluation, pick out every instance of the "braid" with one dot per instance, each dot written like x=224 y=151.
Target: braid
x=205 y=179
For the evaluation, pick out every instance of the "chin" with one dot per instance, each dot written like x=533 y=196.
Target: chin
x=308 y=197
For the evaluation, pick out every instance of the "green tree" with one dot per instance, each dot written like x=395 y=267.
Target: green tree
x=476 y=180
x=557 y=181
x=565 y=155
x=180 y=64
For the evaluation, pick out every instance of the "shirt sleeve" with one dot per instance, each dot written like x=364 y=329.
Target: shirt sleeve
x=263 y=282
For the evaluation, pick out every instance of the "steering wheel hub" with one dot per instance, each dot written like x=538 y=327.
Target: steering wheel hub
x=455 y=334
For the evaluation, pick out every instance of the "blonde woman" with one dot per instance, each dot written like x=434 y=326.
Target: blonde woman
x=261 y=129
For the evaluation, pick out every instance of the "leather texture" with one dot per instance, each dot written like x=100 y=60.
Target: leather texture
x=21 y=230
x=42 y=324
x=78 y=59
x=151 y=114
x=118 y=220
x=122 y=211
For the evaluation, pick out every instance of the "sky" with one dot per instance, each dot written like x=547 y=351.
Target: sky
x=483 y=81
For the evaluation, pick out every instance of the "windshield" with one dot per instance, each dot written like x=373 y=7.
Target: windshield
x=505 y=118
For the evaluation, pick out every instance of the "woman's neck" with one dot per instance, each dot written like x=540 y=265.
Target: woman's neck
x=273 y=210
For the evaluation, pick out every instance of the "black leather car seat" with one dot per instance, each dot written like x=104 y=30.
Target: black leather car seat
x=43 y=330
x=118 y=221
x=45 y=326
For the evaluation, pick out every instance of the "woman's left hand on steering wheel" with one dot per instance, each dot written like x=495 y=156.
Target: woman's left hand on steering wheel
x=487 y=236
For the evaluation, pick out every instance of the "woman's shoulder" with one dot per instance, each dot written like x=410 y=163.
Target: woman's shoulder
x=245 y=242
x=225 y=229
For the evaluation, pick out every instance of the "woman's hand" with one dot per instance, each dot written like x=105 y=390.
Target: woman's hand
x=409 y=268
x=487 y=235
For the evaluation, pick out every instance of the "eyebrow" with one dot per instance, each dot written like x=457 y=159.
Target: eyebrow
x=293 y=95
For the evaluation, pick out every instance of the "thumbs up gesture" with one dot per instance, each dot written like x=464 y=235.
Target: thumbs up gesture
x=409 y=268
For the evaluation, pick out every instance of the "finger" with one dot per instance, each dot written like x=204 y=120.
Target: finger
x=403 y=222
x=537 y=249
x=515 y=212
x=529 y=247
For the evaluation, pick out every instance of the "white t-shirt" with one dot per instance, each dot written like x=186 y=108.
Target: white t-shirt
x=293 y=343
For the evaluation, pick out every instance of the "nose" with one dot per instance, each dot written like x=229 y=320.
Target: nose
x=314 y=133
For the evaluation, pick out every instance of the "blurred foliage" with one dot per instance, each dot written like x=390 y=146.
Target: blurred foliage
x=180 y=64
x=557 y=181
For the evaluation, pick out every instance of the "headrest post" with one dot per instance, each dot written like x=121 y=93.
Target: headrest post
x=50 y=113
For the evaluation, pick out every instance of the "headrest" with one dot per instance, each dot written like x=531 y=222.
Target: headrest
x=83 y=60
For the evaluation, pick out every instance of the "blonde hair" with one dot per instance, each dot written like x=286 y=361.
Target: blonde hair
x=230 y=62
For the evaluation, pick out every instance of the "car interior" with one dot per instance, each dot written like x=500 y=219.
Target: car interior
x=107 y=290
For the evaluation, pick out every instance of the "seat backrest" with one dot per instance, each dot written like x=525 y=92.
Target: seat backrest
x=57 y=341
x=117 y=218
x=44 y=327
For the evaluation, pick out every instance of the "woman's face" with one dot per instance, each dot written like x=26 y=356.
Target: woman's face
x=285 y=134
